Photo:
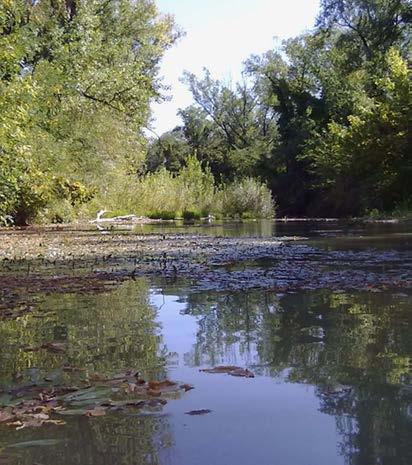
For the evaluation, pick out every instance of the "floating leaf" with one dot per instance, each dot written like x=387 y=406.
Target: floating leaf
x=96 y=412
x=54 y=422
x=72 y=412
x=186 y=387
x=159 y=385
x=204 y=411
x=6 y=415
x=56 y=347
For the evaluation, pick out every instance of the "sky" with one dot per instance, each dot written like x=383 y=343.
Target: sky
x=220 y=36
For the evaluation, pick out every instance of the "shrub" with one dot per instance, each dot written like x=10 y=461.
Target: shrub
x=162 y=215
x=162 y=193
x=190 y=215
x=190 y=193
x=247 y=197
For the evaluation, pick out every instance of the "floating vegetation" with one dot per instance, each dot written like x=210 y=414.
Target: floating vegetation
x=203 y=411
x=35 y=262
x=36 y=405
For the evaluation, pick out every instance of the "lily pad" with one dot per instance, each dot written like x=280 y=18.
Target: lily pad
x=230 y=370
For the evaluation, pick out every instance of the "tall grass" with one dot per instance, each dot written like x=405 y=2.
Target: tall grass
x=190 y=194
x=246 y=198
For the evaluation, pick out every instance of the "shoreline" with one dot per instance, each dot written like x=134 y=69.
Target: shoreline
x=131 y=220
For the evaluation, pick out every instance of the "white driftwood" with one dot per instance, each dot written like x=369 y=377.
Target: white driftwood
x=120 y=219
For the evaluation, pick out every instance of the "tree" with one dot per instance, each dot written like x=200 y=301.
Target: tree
x=373 y=25
x=292 y=90
x=365 y=162
x=244 y=128
x=169 y=151
x=84 y=73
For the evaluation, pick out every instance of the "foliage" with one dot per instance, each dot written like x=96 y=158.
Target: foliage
x=170 y=151
x=191 y=193
x=191 y=215
x=246 y=198
x=165 y=195
x=369 y=26
x=365 y=161
x=76 y=81
x=323 y=119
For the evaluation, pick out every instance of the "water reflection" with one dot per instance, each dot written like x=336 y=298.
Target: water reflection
x=103 y=333
x=355 y=348
x=333 y=235
x=319 y=357
x=114 y=440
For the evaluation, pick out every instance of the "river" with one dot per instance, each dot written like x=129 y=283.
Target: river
x=332 y=368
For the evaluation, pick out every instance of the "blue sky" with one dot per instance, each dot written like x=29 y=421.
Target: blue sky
x=220 y=35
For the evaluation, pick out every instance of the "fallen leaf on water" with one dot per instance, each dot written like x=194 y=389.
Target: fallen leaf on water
x=186 y=387
x=72 y=412
x=54 y=422
x=156 y=402
x=220 y=369
x=70 y=369
x=5 y=460
x=56 y=347
x=5 y=415
x=242 y=372
x=160 y=385
x=133 y=388
x=40 y=416
x=199 y=412
x=35 y=443
x=93 y=400
x=154 y=393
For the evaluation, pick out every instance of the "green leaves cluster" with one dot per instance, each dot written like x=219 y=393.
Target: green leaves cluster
x=192 y=192
x=324 y=119
x=76 y=81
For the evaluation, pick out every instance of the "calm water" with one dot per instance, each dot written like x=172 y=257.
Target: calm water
x=333 y=370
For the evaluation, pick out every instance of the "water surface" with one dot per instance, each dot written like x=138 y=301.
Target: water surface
x=332 y=371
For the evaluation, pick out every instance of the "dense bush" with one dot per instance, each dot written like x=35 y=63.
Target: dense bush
x=247 y=197
x=165 y=195
x=192 y=194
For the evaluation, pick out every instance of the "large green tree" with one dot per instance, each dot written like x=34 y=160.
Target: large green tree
x=76 y=81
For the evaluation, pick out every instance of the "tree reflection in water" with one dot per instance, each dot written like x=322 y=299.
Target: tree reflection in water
x=354 y=347
x=115 y=439
x=104 y=333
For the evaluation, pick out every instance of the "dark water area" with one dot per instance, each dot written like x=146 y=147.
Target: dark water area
x=332 y=370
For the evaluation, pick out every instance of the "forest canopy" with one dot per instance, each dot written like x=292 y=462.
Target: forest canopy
x=323 y=120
